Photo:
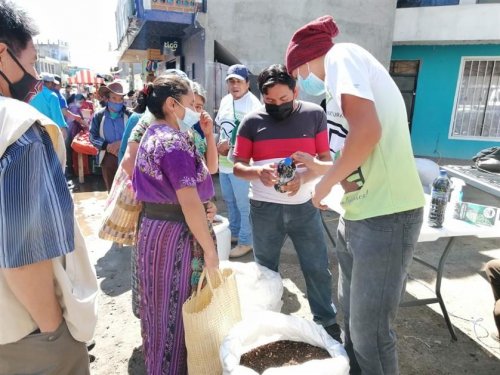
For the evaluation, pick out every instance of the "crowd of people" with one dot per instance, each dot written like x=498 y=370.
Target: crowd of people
x=168 y=146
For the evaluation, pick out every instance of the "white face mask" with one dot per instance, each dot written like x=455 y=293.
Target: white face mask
x=190 y=118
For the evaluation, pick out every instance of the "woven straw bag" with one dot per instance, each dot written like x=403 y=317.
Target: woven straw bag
x=208 y=316
x=121 y=214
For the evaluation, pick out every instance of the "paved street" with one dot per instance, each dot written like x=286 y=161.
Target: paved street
x=424 y=341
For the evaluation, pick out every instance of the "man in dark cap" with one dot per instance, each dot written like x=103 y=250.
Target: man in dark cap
x=233 y=107
x=383 y=200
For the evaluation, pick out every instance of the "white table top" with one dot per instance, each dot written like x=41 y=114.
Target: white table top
x=451 y=227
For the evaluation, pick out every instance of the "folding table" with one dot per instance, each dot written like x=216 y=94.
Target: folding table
x=452 y=228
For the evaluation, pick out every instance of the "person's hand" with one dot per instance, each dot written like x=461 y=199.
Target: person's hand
x=305 y=159
x=267 y=175
x=293 y=186
x=113 y=148
x=223 y=147
x=206 y=124
x=320 y=192
x=211 y=262
x=211 y=211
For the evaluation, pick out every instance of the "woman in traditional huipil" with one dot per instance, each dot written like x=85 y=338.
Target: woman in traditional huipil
x=174 y=240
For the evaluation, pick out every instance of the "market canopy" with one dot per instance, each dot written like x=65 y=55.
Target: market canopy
x=85 y=77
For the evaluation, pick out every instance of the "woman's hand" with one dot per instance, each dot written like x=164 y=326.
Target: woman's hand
x=211 y=210
x=211 y=262
x=206 y=124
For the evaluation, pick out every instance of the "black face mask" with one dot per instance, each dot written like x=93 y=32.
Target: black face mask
x=280 y=112
x=27 y=87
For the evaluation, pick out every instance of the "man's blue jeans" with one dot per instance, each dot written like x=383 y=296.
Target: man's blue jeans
x=235 y=194
x=271 y=223
x=374 y=256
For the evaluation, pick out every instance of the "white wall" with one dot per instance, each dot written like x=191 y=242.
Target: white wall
x=455 y=24
x=257 y=32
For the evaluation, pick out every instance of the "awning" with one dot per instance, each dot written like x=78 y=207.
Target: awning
x=85 y=77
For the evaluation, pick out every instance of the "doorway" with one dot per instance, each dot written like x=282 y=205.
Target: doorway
x=405 y=74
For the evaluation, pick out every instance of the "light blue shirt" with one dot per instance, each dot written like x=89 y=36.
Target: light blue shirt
x=47 y=102
x=131 y=123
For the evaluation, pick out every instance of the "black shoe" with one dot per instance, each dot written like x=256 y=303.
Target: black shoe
x=90 y=345
x=334 y=331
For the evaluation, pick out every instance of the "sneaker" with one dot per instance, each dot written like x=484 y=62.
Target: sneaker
x=334 y=332
x=239 y=251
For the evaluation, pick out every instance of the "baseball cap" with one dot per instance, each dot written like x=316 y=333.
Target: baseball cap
x=238 y=71
x=47 y=77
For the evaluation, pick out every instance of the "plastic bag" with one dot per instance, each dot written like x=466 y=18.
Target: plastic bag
x=266 y=327
x=260 y=289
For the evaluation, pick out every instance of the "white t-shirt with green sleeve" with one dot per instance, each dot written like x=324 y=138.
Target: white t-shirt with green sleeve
x=388 y=180
x=226 y=117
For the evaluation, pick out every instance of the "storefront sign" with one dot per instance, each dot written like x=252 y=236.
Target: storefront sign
x=184 y=6
x=172 y=46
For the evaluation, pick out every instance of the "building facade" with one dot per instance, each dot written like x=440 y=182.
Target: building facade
x=52 y=57
x=446 y=61
x=204 y=37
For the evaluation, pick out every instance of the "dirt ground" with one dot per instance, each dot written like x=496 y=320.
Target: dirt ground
x=424 y=343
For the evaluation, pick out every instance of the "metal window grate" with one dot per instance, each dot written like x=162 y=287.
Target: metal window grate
x=477 y=108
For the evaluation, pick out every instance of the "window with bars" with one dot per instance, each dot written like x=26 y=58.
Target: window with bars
x=477 y=106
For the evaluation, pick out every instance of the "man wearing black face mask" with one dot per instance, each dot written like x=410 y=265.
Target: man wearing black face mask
x=266 y=136
x=47 y=284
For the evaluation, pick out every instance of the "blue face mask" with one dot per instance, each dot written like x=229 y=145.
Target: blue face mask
x=312 y=84
x=190 y=118
x=115 y=107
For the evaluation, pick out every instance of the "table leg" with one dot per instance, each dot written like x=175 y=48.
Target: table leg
x=330 y=236
x=442 y=261
x=439 y=276
x=81 y=177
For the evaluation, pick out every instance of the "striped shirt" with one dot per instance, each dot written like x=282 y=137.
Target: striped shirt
x=36 y=209
x=265 y=140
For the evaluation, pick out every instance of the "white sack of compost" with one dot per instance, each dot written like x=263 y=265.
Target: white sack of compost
x=266 y=327
x=260 y=289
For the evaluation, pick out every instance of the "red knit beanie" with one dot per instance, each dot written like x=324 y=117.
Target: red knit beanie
x=310 y=41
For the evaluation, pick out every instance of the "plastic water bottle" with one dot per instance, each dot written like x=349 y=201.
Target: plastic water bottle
x=440 y=195
x=286 y=173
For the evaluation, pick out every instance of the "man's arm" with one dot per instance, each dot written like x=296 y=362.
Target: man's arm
x=265 y=173
x=72 y=116
x=365 y=131
x=95 y=138
x=33 y=286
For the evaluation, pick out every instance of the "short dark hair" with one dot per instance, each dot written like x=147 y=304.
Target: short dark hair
x=273 y=75
x=16 y=27
x=163 y=87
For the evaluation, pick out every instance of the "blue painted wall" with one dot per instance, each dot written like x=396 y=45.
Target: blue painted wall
x=436 y=87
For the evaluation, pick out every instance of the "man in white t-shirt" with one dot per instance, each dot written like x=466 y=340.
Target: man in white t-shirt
x=373 y=160
x=233 y=107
